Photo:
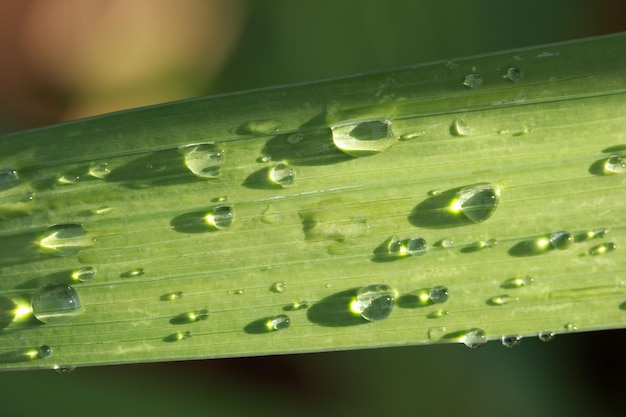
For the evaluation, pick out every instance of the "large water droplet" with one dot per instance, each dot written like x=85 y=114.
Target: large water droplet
x=511 y=341
x=84 y=274
x=438 y=294
x=221 y=217
x=561 y=240
x=475 y=338
x=477 y=203
x=374 y=302
x=472 y=80
x=282 y=174
x=99 y=171
x=65 y=239
x=9 y=178
x=415 y=246
x=280 y=322
x=614 y=165
x=56 y=303
x=203 y=159
x=603 y=249
x=363 y=138
x=44 y=351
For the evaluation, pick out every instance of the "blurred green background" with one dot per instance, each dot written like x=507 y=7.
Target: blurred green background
x=70 y=58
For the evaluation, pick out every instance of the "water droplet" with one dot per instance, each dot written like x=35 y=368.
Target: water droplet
x=511 y=341
x=570 y=327
x=280 y=322
x=283 y=174
x=597 y=233
x=374 y=302
x=191 y=317
x=436 y=333
x=102 y=210
x=437 y=314
x=279 y=286
x=517 y=282
x=137 y=272
x=221 y=217
x=44 y=351
x=477 y=203
x=500 y=300
x=265 y=158
x=614 y=165
x=9 y=178
x=64 y=239
x=561 y=240
x=472 y=80
x=546 y=336
x=475 y=338
x=485 y=244
x=295 y=138
x=203 y=159
x=363 y=138
x=602 y=248
x=262 y=127
x=438 y=294
x=68 y=179
x=300 y=305
x=416 y=246
x=513 y=74
x=237 y=292
x=412 y=135
x=99 y=171
x=56 y=303
x=178 y=336
x=446 y=243
x=84 y=274
x=460 y=127
x=65 y=369
x=172 y=296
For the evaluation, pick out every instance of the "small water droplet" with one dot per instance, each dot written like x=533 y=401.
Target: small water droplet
x=561 y=240
x=56 y=303
x=68 y=179
x=172 y=296
x=282 y=174
x=178 y=336
x=9 y=178
x=65 y=369
x=485 y=244
x=363 y=138
x=137 y=272
x=602 y=249
x=203 y=159
x=436 y=333
x=517 y=282
x=237 y=292
x=513 y=74
x=44 y=351
x=99 y=171
x=295 y=138
x=84 y=274
x=438 y=294
x=500 y=300
x=221 y=217
x=614 y=165
x=475 y=338
x=437 y=314
x=280 y=322
x=477 y=203
x=64 y=239
x=300 y=305
x=511 y=341
x=102 y=210
x=191 y=317
x=279 y=286
x=374 y=302
x=546 y=336
x=597 y=233
x=416 y=246
x=265 y=158
x=472 y=80
x=570 y=327
x=262 y=127
x=446 y=243
x=460 y=127
x=413 y=135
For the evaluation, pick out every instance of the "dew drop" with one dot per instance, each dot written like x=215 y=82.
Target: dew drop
x=500 y=300
x=438 y=294
x=602 y=249
x=511 y=341
x=68 y=179
x=570 y=327
x=280 y=322
x=597 y=233
x=99 y=171
x=102 y=210
x=44 y=351
x=282 y=174
x=436 y=333
x=412 y=135
x=363 y=138
x=475 y=338
x=84 y=274
x=56 y=303
x=133 y=273
x=203 y=159
x=472 y=80
x=460 y=127
x=237 y=292
x=300 y=305
x=446 y=243
x=65 y=369
x=561 y=240
x=172 y=296
x=546 y=336
x=374 y=302
x=517 y=282
x=192 y=316
x=437 y=314
x=221 y=217
x=477 y=203
x=64 y=239
x=262 y=127
x=265 y=158
x=416 y=246
x=295 y=138
x=279 y=287
x=9 y=178
x=513 y=74
x=614 y=165
x=178 y=336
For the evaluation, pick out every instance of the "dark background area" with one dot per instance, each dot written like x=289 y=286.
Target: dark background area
x=280 y=42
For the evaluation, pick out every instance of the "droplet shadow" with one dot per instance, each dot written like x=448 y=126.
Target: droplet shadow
x=531 y=247
x=381 y=253
x=259 y=326
x=192 y=222
x=435 y=213
x=259 y=180
x=334 y=310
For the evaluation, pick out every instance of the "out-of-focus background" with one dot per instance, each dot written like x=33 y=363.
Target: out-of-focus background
x=67 y=59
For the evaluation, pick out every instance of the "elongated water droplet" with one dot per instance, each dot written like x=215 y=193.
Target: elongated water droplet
x=475 y=338
x=9 y=178
x=561 y=240
x=412 y=135
x=64 y=239
x=279 y=286
x=438 y=294
x=68 y=179
x=65 y=369
x=477 y=203
x=446 y=243
x=172 y=296
x=472 y=80
x=280 y=322
x=102 y=210
x=513 y=74
x=517 y=282
x=262 y=127
x=500 y=300
x=374 y=302
x=56 y=303
x=178 y=336
x=99 y=171
x=597 y=233
x=191 y=317
x=437 y=314
x=282 y=174
x=44 y=351
x=363 y=138
x=460 y=127
x=546 y=336
x=300 y=305
x=84 y=274
x=511 y=341
x=614 y=165
x=203 y=159
x=603 y=249
x=239 y=291
x=133 y=273
x=415 y=246
x=221 y=217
